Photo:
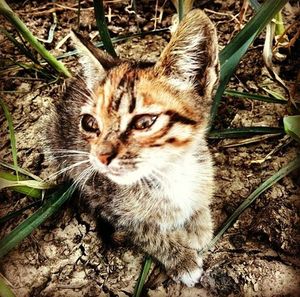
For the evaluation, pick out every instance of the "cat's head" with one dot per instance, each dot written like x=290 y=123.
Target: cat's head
x=133 y=120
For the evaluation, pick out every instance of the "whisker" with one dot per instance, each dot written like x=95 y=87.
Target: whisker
x=90 y=98
x=84 y=177
x=65 y=156
x=66 y=151
x=90 y=91
x=61 y=171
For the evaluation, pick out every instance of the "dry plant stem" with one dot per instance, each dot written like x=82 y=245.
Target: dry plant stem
x=6 y=11
x=268 y=54
x=242 y=15
x=282 y=143
x=242 y=142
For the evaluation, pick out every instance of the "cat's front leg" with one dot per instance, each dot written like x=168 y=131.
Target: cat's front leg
x=177 y=250
x=199 y=230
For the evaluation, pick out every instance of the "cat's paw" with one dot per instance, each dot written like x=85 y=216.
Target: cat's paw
x=191 y=278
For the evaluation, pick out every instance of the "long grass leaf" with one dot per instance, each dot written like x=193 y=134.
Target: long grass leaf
x=180 y=9
x=5 y=290
x=143 y=276
x=243 y=132
x=251 y=198
x=102 y=27
x=23 y=189
x=292 y=126
x=20 y=170
x=16 y=213
x=8 y=13
x=4 y=183
x=254 y=97
x=51 y=206
x=11 y=133
x=255 y=4
x=231 y=55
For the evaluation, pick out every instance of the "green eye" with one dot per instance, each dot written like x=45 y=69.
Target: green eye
x=89 y=124
x=144 y=121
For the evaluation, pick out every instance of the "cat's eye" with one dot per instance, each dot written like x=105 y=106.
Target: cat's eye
x=144 y=121
x=89 y=124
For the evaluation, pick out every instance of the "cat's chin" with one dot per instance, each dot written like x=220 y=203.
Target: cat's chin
x=128 y=178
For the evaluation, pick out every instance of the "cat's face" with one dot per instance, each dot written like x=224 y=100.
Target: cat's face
x=135 y=122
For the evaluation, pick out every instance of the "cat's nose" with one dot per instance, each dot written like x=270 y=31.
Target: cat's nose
x=106 y=152
x=105 y=158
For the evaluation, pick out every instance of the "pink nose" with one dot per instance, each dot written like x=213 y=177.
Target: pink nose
x=105 y=158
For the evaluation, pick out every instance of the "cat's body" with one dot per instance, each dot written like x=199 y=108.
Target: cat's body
x=133 y=137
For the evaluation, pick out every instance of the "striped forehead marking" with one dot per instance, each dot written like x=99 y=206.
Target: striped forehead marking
x=124 y=95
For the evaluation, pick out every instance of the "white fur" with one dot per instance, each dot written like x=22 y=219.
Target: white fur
x=190 y=279
x=188 y=63
x=186 y=186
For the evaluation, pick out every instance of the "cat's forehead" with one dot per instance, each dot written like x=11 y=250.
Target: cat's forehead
x=130 y=89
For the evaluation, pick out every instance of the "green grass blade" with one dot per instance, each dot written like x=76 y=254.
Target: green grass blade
x=52 y=205
x=20 y=170
x=251 y=198
x=180 y=9
x=102 y=27
x=254 y=97
x=5 y=290
x=16 y=213
x=5 y=177
x=11 y=134
x=292 y=126
x=231 y=55
x=143 y=276
x=31 y=183
x=243 y=132
x=255 y=4
x=7 y=12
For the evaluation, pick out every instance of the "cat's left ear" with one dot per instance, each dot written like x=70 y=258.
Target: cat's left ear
x=95 y=62
x=190 y=60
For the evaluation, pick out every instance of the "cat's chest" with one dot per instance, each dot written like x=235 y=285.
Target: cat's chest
x=175 y=200
x=168 y=202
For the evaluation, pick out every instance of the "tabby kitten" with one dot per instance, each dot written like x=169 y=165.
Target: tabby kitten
x=132 y=136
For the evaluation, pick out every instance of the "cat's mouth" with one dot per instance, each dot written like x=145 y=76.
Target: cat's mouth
x=116 y=171
x=120 y=173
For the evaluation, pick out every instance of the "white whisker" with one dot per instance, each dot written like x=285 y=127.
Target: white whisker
x=61 y=171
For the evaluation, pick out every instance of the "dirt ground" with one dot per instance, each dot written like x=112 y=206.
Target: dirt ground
x=258 y=255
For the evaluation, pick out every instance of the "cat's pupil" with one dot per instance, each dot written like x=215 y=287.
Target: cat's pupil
x=89 y=124
x=144 y=121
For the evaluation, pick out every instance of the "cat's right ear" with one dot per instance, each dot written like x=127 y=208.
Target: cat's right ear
x=190 y=60
x=95 y=62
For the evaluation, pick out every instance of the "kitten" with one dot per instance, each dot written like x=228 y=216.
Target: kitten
x=132 y=136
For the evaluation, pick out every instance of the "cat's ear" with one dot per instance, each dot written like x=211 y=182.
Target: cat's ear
x=95 y=62
x=190 y=60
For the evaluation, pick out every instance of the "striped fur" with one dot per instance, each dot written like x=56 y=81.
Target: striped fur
x=137 y=133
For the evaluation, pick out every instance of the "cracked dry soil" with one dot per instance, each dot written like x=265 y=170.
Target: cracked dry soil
x=258 y=255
